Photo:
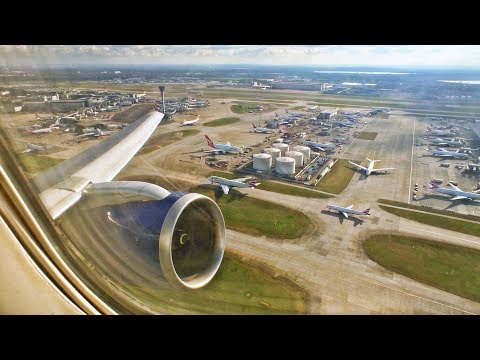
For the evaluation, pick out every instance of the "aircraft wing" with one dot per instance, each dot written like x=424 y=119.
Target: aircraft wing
x=384 y=169
x=349 y=207
x=460 y=198
x=61 y=186
x=358 y=166
x=225 y=188
x=344 y=214
x=454 y=187
x=213 y=151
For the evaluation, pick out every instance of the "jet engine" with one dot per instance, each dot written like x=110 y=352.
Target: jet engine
x=188 y=229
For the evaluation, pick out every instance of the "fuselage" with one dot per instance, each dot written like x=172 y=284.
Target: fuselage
x=453 y=192
x=319 y=145
x=347 y=210
x=228 y=148
x=438 y=141
x=228 y=182
x=450 y=153
x=370 y=167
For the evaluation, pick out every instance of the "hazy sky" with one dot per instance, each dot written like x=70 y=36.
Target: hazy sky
x=395 y=55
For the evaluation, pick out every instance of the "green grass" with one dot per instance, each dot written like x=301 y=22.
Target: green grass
x=338 y=178
x=242 y=108
x=435 y=220
x=367 y=135
x=37 y=163
x=254 y=216
x=222 y=121
x=237 y=288
x=164 y=139
x=277 y=187
x=448 y=267
x=429 y=209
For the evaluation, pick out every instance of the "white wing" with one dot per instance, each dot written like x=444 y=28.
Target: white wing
x=225 y=188
x=62 y=186
x=460 y=198
x=454 y=187
x=349 y=207
x=358 y=166
x=345 y=214
x=384 y=169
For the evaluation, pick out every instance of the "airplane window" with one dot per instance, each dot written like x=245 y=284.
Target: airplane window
x=192 y=187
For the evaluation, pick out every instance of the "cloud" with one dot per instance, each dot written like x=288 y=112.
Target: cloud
x=435 y=55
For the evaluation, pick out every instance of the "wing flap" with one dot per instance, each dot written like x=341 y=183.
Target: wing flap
x=345 y=214
x=225 y=188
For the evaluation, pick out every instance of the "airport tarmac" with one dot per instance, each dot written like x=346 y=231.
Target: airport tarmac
x=330 y=263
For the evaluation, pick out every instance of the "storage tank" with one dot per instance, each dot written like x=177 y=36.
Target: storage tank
x=282 y=147
x=305 y=150
x=262 y=161
x=297 y=156
x=285 y=166
x=274 y=152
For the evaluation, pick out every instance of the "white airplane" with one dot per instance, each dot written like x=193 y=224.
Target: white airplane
x=190 y=122
x=441 y=133
x=473 y=166
x=222 y=148
x=152 y=212
x=319 y=146
x=438 y=141
x=348 y=210
x=262 y=129
x=35 y=148
x=227 y=184
x=382 y=109
x=457 y=193
x=445 y=153
x=43 y=130
x=369 y=169
x=294 y=114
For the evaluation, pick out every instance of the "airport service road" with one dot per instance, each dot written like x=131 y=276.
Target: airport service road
x=332 y=266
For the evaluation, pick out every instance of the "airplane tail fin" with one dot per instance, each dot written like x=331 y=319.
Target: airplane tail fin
x=209 y=142
x=367 y=212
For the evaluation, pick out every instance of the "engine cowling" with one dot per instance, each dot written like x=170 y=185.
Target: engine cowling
x=188 y=229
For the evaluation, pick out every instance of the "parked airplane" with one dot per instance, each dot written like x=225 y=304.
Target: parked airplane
x=438 y=141
x=227 y=184
x=369 y=169
x=43 y=130
x=441 y=133
x=295 y=114
x=190 y=122
x=445 y=153
x=35 y=148
x=348 y=210
x=319 y=146
x=262 y=130
x=222 y=148
x=344 y=123
x=456 y=192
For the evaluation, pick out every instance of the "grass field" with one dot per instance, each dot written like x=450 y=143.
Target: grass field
x=367 y=135
x=164 y=139
x=435 y=220
x=36 y=163
x=255 y=216
x=429 y=209
x=338 y=178
x=222 y=121
x=242 y=108
x=237 y=288
x=277 y=187
x=448 y=267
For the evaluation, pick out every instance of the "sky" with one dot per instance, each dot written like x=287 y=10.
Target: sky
x=321 y=55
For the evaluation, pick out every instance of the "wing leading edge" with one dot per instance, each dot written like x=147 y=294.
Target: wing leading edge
x=99 y=163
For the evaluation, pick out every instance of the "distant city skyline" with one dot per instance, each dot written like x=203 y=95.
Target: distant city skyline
x=321 y=55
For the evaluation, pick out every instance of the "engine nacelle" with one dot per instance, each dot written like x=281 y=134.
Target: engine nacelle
x=188 y=228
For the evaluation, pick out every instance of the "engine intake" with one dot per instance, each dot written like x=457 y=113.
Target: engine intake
x=188 y=229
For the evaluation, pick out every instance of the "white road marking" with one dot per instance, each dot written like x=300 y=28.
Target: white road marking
x=411 y=162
